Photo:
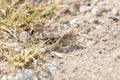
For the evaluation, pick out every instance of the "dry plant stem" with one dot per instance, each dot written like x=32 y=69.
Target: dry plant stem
x=9 y=31
x=3 y=11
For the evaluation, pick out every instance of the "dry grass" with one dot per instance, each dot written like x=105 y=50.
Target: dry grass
x=15 y=16
x=19 y=15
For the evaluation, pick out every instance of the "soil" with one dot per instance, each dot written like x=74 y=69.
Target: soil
x=89 y=50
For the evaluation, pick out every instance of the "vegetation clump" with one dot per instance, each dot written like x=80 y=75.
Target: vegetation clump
x=17 y=16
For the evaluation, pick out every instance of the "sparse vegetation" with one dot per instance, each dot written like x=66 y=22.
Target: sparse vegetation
x=59 y=39
x=16 y=16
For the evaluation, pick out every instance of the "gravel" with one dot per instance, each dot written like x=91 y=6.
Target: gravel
x=85 y=8
x=115 y=12
x=77 y=21
x=24 y=75
x=98 y=27
x=96 y=12
x=52 y=66
x=98 y=36
x=24 y=36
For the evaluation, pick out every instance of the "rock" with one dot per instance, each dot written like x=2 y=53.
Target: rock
x=108 y=8
x=28 y=73
x=96 y=11
x=67 y=2
x=36 y=34
x=102 y=9
x=37 y=2
x=35 y=78
x=75 y=7
x=10 y=77
x=98 y=27
x=65 y=10
x=19 y=76
x=59 y=55
x=94 y=20
x=77 y=21
x=115 y=12
x=84 y=8
x=18 y=49
x=4 y=77
x=24 y=75
x=24 y=36
x=52 y=66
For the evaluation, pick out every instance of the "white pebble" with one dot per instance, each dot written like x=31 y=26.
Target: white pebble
x=4 y=77
x=96 y=11
x=67 y=2
x=28 y=73
x=85 y=8
x=77 y=21
x=98 y=27
x=115 y=12
x=10 y=77
x=19 y=76
x=52 y=66
x=24 y=36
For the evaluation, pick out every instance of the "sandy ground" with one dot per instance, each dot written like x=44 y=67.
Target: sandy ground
x=96 y=51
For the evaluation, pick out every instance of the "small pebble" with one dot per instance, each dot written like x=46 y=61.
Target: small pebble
x=115 y=12
x=75 y=7
x=96 y=11
x=24 y=36
x=37 y=2
x=18 y=49
x=28 y=73
x=102 y=9
x=36 y=34
x=4 y=77
x=94 y=20
x=9 y=77
x=77 y=21
x=65 y=10
x=85 y=8
x=19 y=76
x=68 y=2
x=52 y=66
x=98 y=27
x=24 y=75
x=35 y=78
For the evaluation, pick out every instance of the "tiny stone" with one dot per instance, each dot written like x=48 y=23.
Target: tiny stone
x=108 y=8
x=37 y=2
x=35 y=78
x=17 y=49
x=98 y=27
x=96 y=11
x=36 y=34
x=28 y=73
x=75 y=7
x=102 y=9
x=77 y=21
x=65 y=11
x=85 y=8
x=94 y=21
x=9 y=77
x=19 y=76
x=4 y=77
x=67 y=2
x=24 y=36
x=115 y=12
x=52 y=66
